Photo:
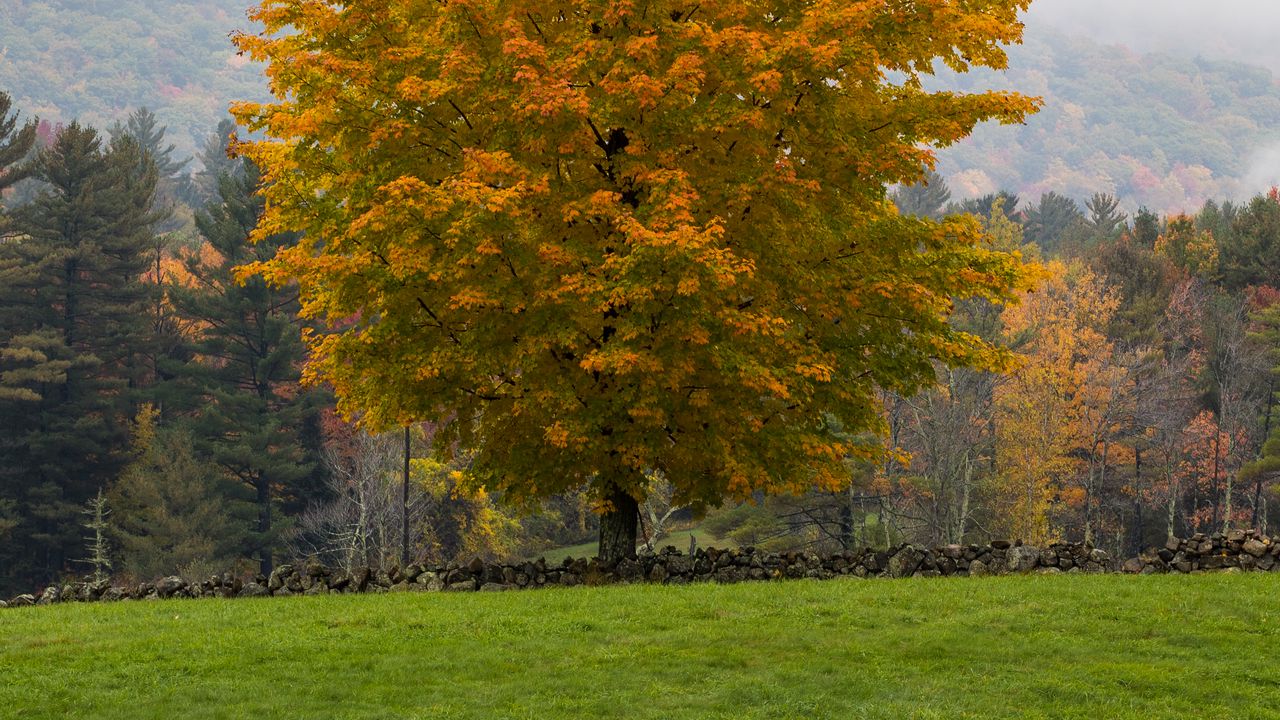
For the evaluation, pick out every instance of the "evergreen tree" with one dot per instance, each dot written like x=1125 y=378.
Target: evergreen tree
x=1105 y=220
x=1048 y=220
x=74 y=315
x=254 y=420
x=927 y=198
x=1250 y=255
x=142 y=126
x=173 y=511
x=215 y=163
x=1145 y=283
x=15 y=142
x=1146 y=228
x=982 y=206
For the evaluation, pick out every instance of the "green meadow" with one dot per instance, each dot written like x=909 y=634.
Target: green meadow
x=1016 y=647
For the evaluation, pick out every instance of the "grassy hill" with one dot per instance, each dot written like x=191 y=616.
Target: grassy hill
x=1026 y=647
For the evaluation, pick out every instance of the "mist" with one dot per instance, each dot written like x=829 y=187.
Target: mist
x=1240 y=30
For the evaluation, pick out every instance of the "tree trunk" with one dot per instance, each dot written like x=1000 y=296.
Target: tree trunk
x=619 y=527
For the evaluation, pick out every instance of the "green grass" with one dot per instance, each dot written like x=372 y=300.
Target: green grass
x=1027 y=647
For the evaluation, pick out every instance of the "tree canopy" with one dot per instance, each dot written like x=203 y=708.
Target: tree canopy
x=596 y=239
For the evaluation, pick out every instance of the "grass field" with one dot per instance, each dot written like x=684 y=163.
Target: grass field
x=1026 y=647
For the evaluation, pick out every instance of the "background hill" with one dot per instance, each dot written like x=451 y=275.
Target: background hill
x=95 y=60
x=1158 y=129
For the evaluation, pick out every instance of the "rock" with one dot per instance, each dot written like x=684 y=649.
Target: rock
x=496 y=587
x=1173 y=544
x=659 y=573
x=570 y=579
x=1254 y=548
x=253 y=589
x=1098 y=556
x=1001 y=544
x=628 y=569
x=978 y=568
x=1048 y=570
x=169 y=586
x=1022 y=558
x=1133 y=566
x=476 y=566
x=463 y=586
x=23 y=601
x=316 y=569
x=955 y=552
x=3 y=604
x=48 y=597
x=279 y=577
x=732 y=574
x=904 y=562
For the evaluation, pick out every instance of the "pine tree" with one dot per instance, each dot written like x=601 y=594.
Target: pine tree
x=72 y=313
x=215 y=163
x=1105 y=220
x=175 y=512
x=15 y=142
x=927 y=198
x=1146 y=228
x=1049 y=219
x=254 y=420
x=142 y=126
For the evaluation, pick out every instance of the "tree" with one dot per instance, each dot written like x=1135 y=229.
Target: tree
x=1146 y=228
x=174 y=513
x=982 y=207
x=141 y=125
x=252 y=420
x=1047 y=220
x=1263 y=470
x=16 y=142
x=1193 y=250
x=1251 y=254
x=215 y=163
x=927 y=198
x=73 y=309
x=1056 y=413
x=606 y=240
x=1105 y=220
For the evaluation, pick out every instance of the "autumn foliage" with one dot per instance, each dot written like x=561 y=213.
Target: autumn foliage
x=599 y=238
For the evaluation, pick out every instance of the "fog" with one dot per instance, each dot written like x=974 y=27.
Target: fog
x=1242 y=30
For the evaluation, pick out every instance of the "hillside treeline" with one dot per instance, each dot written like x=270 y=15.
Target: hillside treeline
x=1143 y=404
x=139 y=375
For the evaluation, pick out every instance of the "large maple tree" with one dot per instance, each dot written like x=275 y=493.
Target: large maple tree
x=599 y=239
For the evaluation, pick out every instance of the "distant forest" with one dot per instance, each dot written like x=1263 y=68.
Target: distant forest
x=97 y=60
x=1162 y=131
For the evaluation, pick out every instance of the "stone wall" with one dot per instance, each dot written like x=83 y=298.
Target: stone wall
x=1235 y=551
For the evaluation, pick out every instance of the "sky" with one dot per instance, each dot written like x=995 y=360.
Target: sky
x=1241 y=30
